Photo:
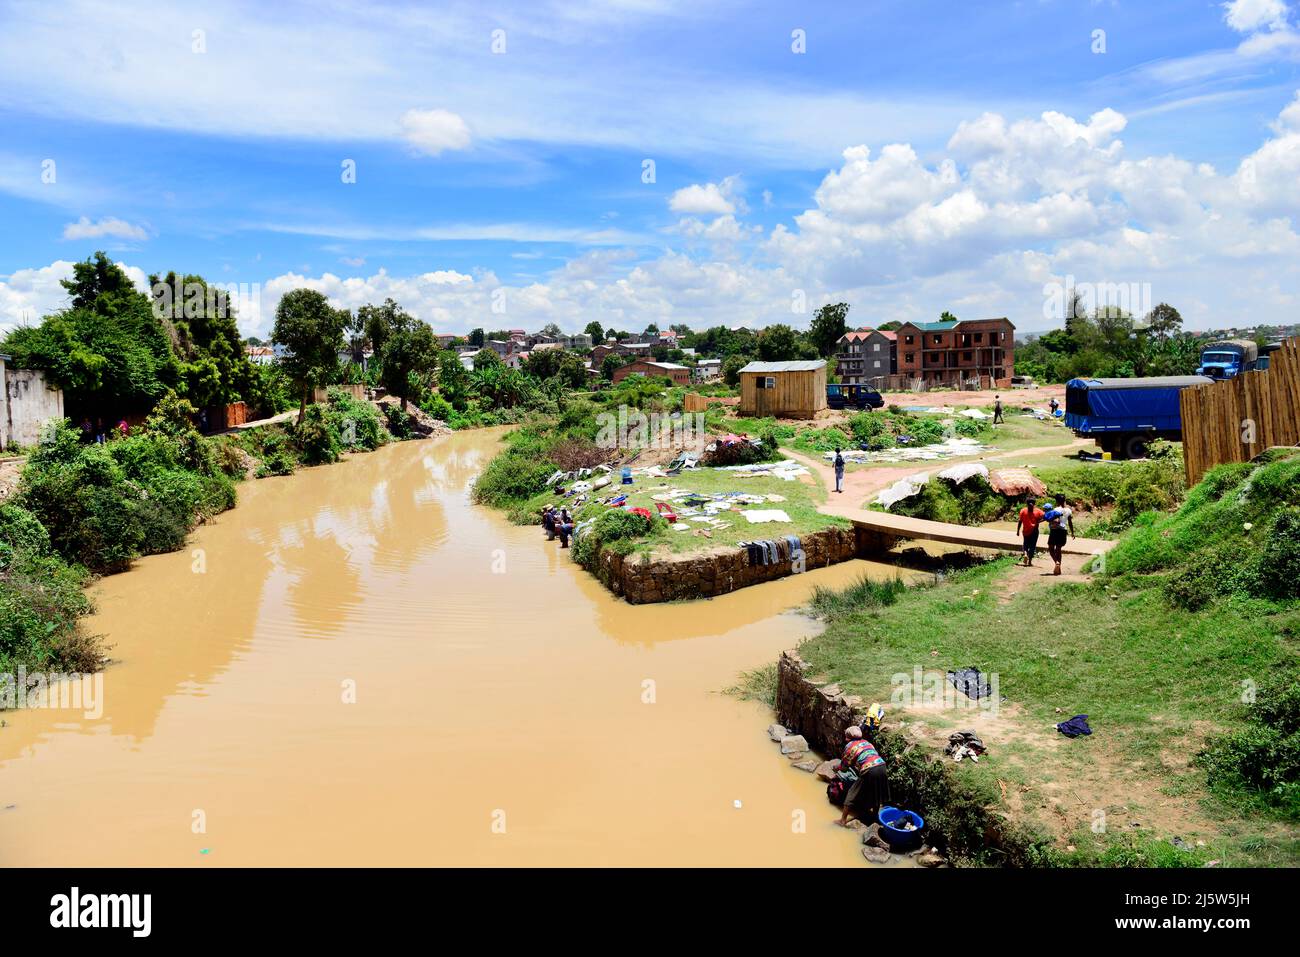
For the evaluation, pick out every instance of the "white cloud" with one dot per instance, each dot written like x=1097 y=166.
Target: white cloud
x=26 y=295
x=432 y=132
x=1247 y=16
x=708 y=199
x=108 y=227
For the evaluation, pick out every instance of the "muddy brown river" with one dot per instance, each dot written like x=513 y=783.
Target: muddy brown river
x=357 y=666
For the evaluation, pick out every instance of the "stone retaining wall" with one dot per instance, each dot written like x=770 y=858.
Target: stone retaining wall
x=717 y=572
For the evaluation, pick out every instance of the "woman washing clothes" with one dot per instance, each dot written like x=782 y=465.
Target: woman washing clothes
x=870 y=792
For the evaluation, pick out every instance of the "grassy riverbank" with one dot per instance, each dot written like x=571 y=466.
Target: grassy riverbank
x=82 y=510
x=1182 y=653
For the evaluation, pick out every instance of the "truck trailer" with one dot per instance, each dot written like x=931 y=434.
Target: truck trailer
x=1125 y=415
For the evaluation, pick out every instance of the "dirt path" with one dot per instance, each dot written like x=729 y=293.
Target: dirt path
x=859 y=485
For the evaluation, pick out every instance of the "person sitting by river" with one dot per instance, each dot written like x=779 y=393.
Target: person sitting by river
x=870 y=792
x=564 y=525
x=548 y=522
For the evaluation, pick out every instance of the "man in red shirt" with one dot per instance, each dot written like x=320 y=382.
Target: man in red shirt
x=1027 y=526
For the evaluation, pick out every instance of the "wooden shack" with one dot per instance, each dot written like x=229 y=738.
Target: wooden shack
x=791 y=390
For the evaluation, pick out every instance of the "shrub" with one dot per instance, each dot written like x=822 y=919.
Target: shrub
x=356 y=422
x=864 y=593
x=21 y=530
x=1278 y=574
x=1263 y=759
x=401 y=425
x=316 y=437
x=41 y=603
x=611 y=529
x=512 y=476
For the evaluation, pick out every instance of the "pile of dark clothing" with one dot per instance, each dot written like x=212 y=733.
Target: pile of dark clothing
x=964 y=744
x=970 y=683
x=1075 y=726
x=773 y=552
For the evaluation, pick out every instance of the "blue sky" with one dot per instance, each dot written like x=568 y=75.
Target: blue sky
x=992 y=149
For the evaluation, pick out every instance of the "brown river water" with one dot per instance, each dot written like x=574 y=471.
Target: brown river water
x=358 y=667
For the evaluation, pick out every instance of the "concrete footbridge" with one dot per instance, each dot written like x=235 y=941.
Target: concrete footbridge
x=878 y=531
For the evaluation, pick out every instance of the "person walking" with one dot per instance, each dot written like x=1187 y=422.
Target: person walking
x=870 y=792
x=1060 y=527
x=997 y=410
x=1027 y=525
x=839 y=471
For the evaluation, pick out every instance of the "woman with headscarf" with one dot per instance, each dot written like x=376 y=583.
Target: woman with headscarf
x=870 y=792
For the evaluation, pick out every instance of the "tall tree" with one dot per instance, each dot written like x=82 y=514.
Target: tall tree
x=108 y=352
x=311 y=330
x=204 y=331
x=404 y=345
x=596 y=332
x=828 y=325
x=1164 y=321
x=476 y=338
x=778 y=343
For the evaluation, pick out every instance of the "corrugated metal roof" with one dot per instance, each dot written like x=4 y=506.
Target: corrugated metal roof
x=799 y=365
x=1152 y=382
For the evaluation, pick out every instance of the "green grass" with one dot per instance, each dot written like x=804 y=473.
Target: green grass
x=1160 y=677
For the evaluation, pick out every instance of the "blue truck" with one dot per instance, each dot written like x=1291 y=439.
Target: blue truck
x=1230 y=357
x=1124 y=415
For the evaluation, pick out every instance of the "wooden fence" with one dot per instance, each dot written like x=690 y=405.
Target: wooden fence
x=1238 y=418
x=694 y=402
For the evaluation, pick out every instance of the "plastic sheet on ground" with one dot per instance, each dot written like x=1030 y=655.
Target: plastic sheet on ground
x=947 y=449
x=786 y=469
x=903 y=488
x=961 y=472
x=761 y=516
x=975 y=414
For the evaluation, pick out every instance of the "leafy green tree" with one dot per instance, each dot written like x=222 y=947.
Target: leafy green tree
x=552 y=329
x=405 y=346
x=778 y=343
x=611 y=364
x=486 y=358
x=107 y=351
x=453 y=379
x=947 y=316
x=311 y=330
x=828 y=325
x=1164 y=321
x=476 y=338
x=731 y=367
x=596 y=332
x=204 y=331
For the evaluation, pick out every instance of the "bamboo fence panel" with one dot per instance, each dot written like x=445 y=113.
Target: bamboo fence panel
x=1238 y=418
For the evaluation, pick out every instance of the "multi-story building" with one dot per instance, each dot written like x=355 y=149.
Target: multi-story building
x=866 y=354
x=958 y=350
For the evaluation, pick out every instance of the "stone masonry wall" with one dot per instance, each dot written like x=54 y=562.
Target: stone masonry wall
x=716 y=572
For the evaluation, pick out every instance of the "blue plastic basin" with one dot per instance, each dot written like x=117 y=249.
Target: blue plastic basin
x=896 y=837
